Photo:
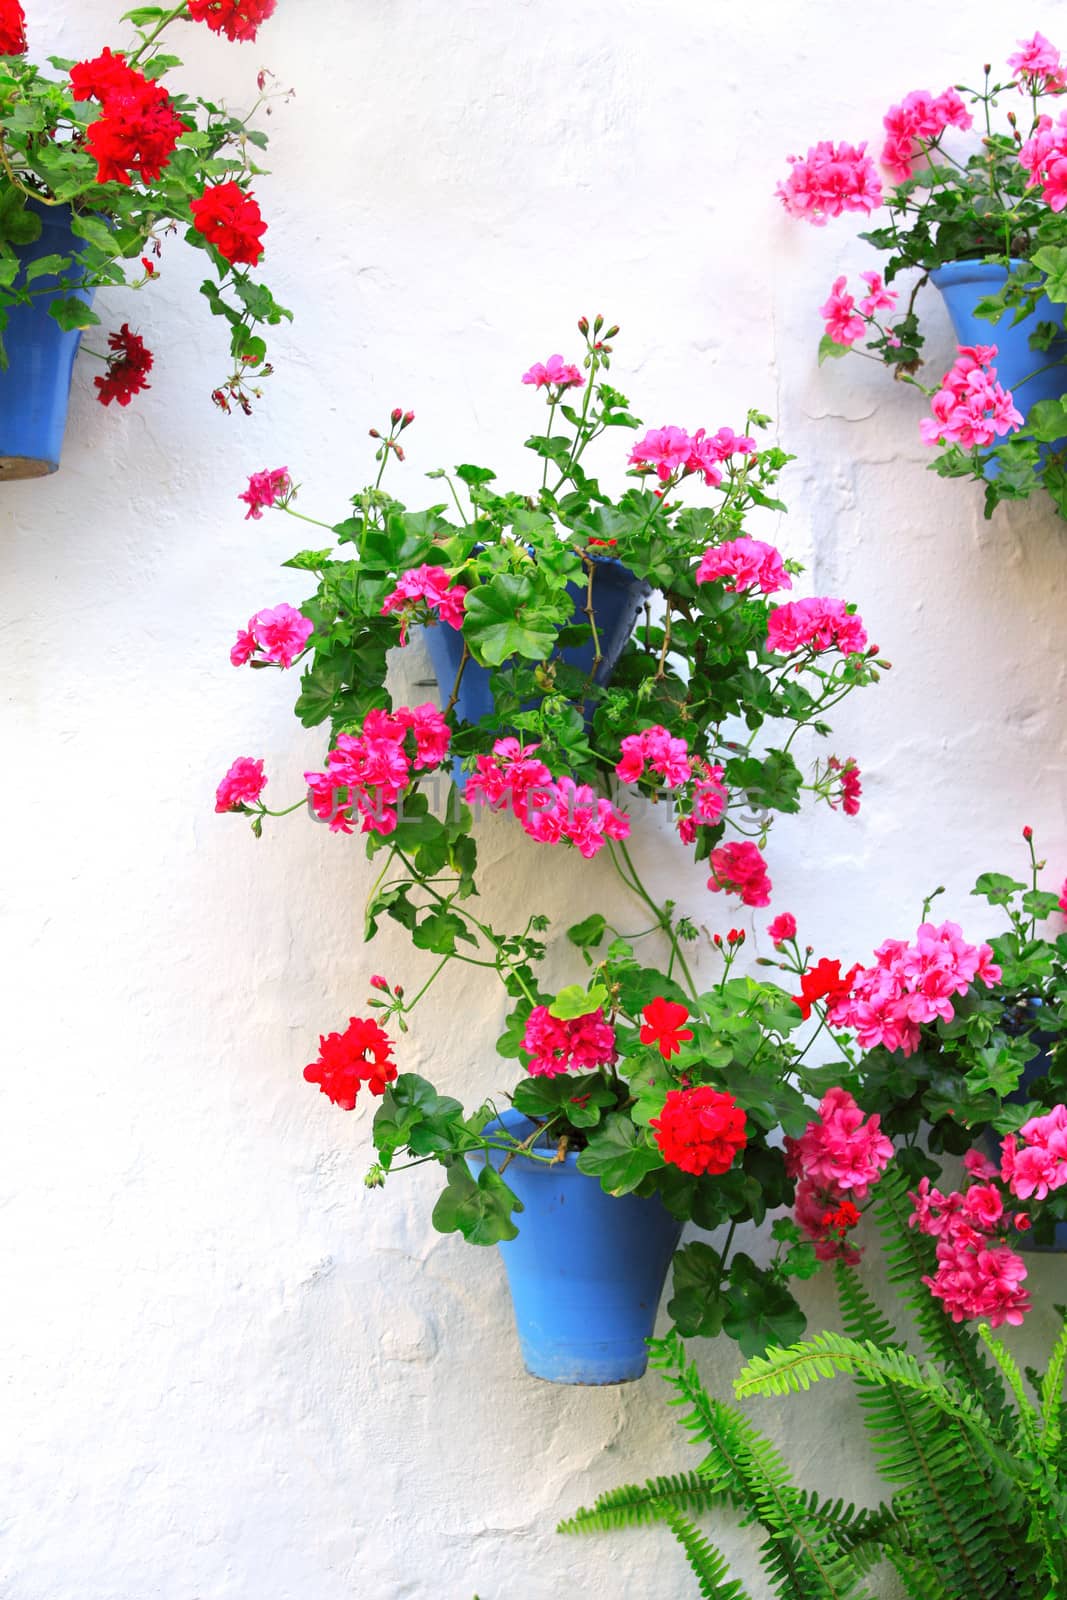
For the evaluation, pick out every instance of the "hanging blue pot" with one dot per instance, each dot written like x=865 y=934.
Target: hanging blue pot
x=587 y=1269
x=35 y=388
x=617 y=600
x=963 y=284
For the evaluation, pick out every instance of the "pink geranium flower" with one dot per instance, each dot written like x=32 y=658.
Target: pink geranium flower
x=433 y=586
x=265 y=489
x=279 y=635
x=1044 y=157
x=666 y=755
x=750 y=564
x=841 y=1148
x=554 y=373
x=242 y=785
x=912 y=984
x=581 y=1044
x=783 y=927
x=366 y=773
x=667 y=450
x=843 y=326
x=915 y=124
x=739 y=868
x=971 y=408
x=878 y=297
x=829 y=180
x=1037 y=65
x=817 y=624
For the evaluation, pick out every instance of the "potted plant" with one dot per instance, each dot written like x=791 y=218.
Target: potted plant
x=99 y=163
x=632 y=1082
x=983 y=1056
x=981 y=217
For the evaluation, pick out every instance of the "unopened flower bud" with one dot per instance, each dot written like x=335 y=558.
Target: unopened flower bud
x=407 y=419
x=1028 y=833
x=717 y=939
x=375 y=1178
x=399 y=452
x=612 y=331
x=378 y=982
x=583 y=325
x=398 y=990
x=374 y=433
x=396 y=414
x=598 y=323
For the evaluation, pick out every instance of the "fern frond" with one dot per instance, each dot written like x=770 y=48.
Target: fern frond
x=1051 y=1398
x=917 y=1575
x=634 y=1505
x=1009 y=1369
x=709 y=1565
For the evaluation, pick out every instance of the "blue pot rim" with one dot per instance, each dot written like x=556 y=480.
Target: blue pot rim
x=956 y=272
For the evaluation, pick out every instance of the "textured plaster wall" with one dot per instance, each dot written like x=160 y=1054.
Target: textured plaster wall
x=231 y=1373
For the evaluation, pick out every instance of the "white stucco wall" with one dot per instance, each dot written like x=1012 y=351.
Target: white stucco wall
x=231 y=1373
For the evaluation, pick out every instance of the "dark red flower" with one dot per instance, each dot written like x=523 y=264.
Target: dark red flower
x=700 y=1130
x=362 y=1054
x=663 y=1025
x=12 y=28
x=237 y=19
x=824 y=982
x=127 y=368
x=231 y=220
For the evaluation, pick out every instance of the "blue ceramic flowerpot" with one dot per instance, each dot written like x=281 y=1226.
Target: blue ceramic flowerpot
x=963 y=284
x=586 y=1271
x=35 y=388
x=617 y=600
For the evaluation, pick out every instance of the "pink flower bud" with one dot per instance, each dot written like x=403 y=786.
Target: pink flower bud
x=378 y=982
x=396 y=414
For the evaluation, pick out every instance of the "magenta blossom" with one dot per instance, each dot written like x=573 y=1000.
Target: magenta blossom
x=878 y=297
x=580 y=1044
x=366 y=773
x=841 y=1148
x=434 y=586
x=666 y=755
x=279 y=635
x=817 y=624
x=1037 y=65
x=971 y=408
x=665 y=449
x=243 y=784
x=750 y=564
x=555 y=373
x=829 y=180
x=843 y=325
x=265 y=489
x=912 y=984
x=915 y=124
x=549 y=810
x=739 y=868
x=1044 y=157
x=783 y=927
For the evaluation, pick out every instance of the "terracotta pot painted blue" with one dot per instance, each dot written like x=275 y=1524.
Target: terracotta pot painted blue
x=617 y=600
x=586 y=1271
x=35 y=388
x=963 y=284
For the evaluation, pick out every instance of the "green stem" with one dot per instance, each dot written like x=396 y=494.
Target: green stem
x=633 y=882
x=147 y=43
x=315 y=522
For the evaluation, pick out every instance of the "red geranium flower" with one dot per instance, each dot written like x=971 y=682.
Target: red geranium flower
x=663 y=1025
x=126 y=368
x=231 y=220
x=824 y=982
x=362 y=1054
x=104 y=76
x=700 y=1130
x=12 y=28
x=237 y=19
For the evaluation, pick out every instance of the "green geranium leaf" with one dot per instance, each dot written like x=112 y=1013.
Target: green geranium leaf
x=507 y=617
x=830 y=350
x=414 y=1116
x=1040 y=903
x=574 y=1001
x=618 y=1156
x=698 y=1305
x=588 y=933
x=479 y=1210
x=1047 y=420
x=439 y=930
x=73 y=314
x=761 y=1311
x=1052 y=260
x=997 y=888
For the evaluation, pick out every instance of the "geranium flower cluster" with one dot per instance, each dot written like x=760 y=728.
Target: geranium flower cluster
x=127 y=368
x=912 y=984
x=12 y=28
x=672 y=453
x=577 y=1044
x=971 y=408
x=1034 y=1164
x=663 y=1024
x=656 y=748
x=265 y=489
x=836 y=1160
x=362 y=1054
x=738 y=867
x=748 y=563
x=849 y=788
x=710 y=799
x=230 y=219
x=555 y=373
x=700 y=1130
x=822 y=982
x=550 y=810
x=1044 y=156
x=239 y=20
x=242 y=785
x=1038 y=67
x=913 y=125
x=137 y=129
x=978 y=1274
x=816 y=624
x=434 y=586
x=278 y=635
x=366 y=773
x=829 y=180
x=844 y=323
